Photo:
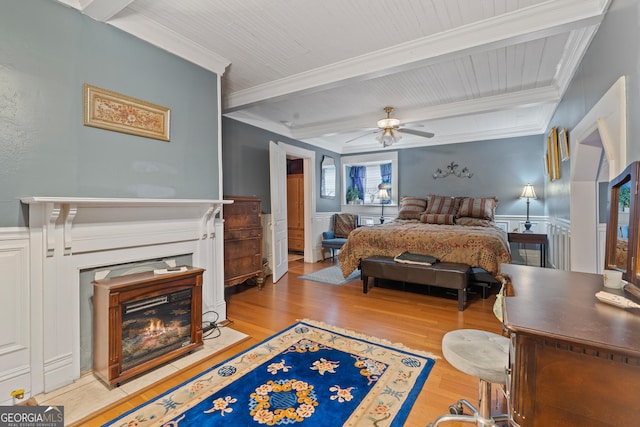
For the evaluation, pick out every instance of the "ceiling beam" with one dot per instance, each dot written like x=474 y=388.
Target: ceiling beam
x=519 y=26
x=549 y=94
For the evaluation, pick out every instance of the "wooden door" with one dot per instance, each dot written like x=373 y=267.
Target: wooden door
x=295 y=211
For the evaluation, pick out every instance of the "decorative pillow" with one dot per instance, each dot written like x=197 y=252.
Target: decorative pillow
x=482 y=208
x=411 y=207
x=442 y=205
x=442 y=219
x=343 y=224
x=477 y=222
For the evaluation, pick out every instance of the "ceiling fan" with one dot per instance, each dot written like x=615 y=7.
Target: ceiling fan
x=389 y=128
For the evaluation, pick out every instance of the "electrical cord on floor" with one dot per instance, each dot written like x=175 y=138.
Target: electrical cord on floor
x=210 y=329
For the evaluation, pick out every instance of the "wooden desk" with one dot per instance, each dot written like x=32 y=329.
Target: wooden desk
x=534 y=239
x=574 y=360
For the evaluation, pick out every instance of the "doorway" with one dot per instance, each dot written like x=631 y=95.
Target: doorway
x=598 y=155
x=295 y=207
x=278 y=175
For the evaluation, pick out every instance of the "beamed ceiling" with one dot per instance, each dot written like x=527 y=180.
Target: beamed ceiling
x=323 y=71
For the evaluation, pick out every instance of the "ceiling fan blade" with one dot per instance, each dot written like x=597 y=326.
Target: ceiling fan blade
x=416 y=132
x=363 y=135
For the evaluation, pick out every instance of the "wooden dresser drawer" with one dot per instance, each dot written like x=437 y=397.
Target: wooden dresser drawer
x=250 y=233
x=246 y=256
x=296 y=233
x=242 y=215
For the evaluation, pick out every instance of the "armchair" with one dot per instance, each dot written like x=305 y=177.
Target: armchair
x=343 y=224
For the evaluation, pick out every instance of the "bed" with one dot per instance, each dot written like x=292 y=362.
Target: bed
x=457 y=230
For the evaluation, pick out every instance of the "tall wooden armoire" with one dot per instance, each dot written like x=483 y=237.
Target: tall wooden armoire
x=295 y=211
x=242 y=240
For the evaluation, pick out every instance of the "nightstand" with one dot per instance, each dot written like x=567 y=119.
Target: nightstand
x=532 y=239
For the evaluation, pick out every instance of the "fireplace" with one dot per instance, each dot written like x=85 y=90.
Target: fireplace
x=69 y=235
x=144 y=320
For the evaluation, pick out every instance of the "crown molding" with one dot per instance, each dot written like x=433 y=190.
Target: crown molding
x=103 y=10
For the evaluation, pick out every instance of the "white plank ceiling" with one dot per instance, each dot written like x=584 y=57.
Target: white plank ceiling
x=322 y=71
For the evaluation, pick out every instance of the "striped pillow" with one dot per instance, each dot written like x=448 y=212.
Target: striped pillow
x=411 y=207
x=442 y=205
x=474 y=222
x=443 y=219
x=483 y=208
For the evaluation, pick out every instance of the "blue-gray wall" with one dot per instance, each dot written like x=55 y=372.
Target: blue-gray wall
x=501 y=168
x=47 y=53
x=245 y=163
x=614 y=52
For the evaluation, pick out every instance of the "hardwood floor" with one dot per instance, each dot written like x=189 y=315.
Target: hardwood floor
x=411 y=317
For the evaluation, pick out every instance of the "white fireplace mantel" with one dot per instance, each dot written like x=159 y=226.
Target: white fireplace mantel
x=69 y=234
x=65 y=209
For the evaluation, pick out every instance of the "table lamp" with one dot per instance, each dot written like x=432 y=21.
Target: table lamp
x=528 y=193
x=383 y=195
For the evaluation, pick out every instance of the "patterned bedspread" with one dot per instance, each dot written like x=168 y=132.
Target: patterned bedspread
x=485 y=247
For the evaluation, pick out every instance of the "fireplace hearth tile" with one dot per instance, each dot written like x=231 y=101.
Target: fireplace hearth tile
x=147 y=379
x=88 y=394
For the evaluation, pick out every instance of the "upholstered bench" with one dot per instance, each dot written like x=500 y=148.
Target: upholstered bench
x=442 y=274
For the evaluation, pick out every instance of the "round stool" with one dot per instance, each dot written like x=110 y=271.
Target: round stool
x=484 y=355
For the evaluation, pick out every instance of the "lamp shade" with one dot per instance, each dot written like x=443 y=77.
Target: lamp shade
x=528 y=192
x=388 y=137
x=383 y=194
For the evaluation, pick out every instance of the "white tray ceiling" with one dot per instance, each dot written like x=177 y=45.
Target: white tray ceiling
x=322 y=71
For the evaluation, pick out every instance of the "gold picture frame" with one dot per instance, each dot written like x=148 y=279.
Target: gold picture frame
x=547 y=165
x=109 y=110
x=549 y=159
x=563 y=141
x=552 y=145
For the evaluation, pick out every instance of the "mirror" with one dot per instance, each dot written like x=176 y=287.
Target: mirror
x=622 y=224
x=328 y=178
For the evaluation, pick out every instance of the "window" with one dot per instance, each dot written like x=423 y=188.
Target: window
x=364 y=173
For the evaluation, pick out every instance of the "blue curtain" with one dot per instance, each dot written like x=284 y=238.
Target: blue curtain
x=358 y=174
x=385 y=172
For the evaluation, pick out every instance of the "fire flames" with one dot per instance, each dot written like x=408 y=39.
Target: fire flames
x=156 y=327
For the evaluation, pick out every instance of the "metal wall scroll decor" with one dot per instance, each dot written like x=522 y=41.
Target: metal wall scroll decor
x=452 y=169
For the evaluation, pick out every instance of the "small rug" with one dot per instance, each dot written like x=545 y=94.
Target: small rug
x=331 y=275
x=310 y=373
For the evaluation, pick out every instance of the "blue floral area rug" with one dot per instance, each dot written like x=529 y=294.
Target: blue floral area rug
x=310 y=374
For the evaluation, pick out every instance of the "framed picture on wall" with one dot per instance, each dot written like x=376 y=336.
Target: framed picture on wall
x=546 y=162
x=549 y=159
x=552 y=145
x=563 y=141
x=109 y=110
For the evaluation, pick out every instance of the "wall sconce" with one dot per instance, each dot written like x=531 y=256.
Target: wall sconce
x=452 y=169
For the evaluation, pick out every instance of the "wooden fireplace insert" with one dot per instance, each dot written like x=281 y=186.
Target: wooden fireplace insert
x=140 y=298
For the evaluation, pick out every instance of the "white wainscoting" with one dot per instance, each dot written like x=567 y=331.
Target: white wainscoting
x=15 y=354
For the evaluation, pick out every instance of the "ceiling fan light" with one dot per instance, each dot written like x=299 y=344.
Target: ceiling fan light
x=389 y=122
x=388 y=137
